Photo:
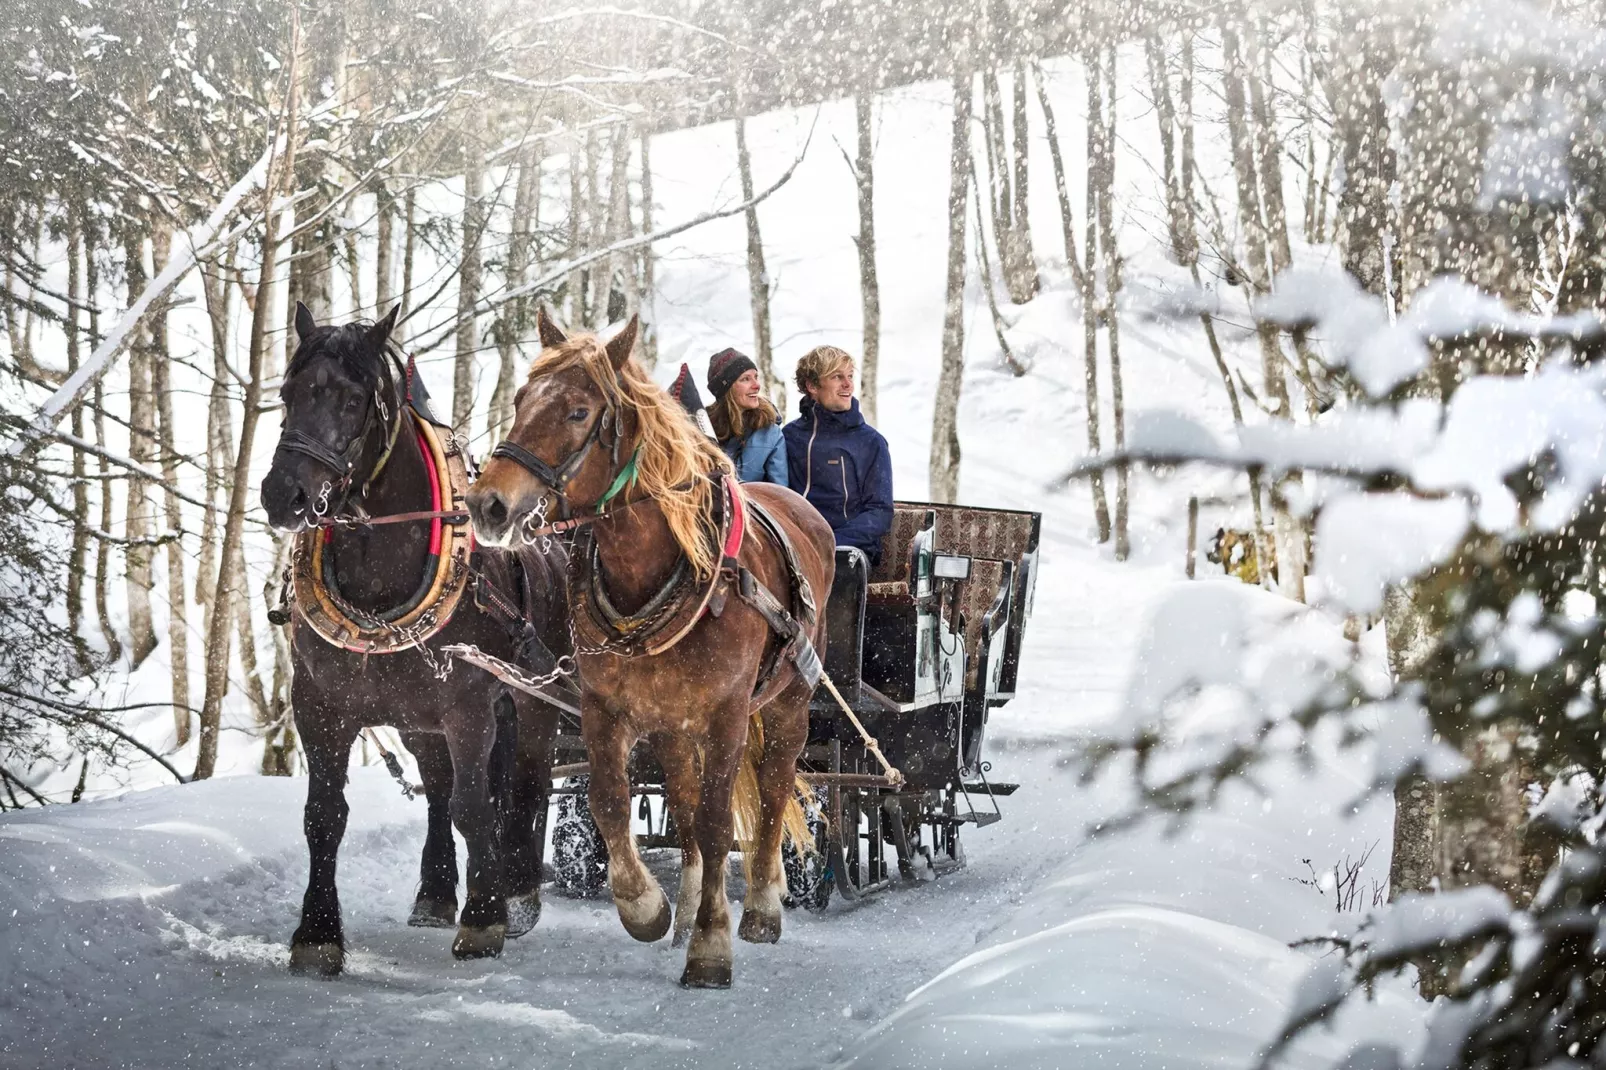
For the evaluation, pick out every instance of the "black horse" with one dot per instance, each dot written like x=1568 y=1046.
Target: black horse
x=345 y=402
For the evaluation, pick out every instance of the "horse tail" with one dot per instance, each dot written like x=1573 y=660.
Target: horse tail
x=746 y=808
x=500 y=771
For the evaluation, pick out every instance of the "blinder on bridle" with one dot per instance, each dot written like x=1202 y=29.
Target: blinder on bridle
x=344 y=462
x=557 y=479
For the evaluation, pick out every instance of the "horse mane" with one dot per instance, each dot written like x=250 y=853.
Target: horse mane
x=674 y=456
x=348 y=346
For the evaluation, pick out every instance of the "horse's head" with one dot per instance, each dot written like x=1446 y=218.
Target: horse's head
x=341 y=403
x=568 y=440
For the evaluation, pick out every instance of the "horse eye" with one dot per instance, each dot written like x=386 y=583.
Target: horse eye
x=578 y=414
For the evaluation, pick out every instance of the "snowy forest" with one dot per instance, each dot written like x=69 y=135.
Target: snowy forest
x=1282 y=318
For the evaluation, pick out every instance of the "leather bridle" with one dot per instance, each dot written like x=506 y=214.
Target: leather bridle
x=344 y=461
x=557 y=478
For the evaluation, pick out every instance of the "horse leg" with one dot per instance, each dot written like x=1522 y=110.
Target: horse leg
x=643 y=909
x=436 y=904
x=682 y=786
x=708 y=956
x=786 y=728
x=482 y=927
x=524 y=818
x=319 y=945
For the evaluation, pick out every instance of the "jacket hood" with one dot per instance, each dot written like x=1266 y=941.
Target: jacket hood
x=846 y=420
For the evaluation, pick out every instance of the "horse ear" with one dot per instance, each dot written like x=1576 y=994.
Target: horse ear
x=620 y=345
x=305 y=324
x=379 y=333
x=551 y=334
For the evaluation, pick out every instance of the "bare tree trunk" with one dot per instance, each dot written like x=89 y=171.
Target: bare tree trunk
x=178 y=625
x=78 y=555
x=141 y=448
x=1110 y=247
x=869 y=282
x=468 y=282
x=1258 y=272
x=1188 y=158
x=219 y=427
x=409 y=243
x=758 y=278
x=1361 y=129
x=511 y=321
x=945 y=454
x=1007 y=170
x=616 y=303
x=1269 y=143
x=649 y=298
x=279 y=741
x=1184 y=242
x=384 y=256
x=114 y=645
x=1022 y=274
x=576 y=284
x=1061 y=188
x=217 y=640
x=1096 y=144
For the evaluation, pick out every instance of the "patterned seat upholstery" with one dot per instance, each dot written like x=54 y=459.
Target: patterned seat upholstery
x=975 y=599
x=989 y=533
x=889 y=580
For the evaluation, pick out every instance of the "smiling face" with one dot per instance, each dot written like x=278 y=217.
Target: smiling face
x=746 y=391
x=835 y=388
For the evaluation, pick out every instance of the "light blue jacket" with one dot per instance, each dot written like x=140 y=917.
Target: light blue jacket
x=760 y=457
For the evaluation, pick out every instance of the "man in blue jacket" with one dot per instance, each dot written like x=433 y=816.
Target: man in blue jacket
x=836 y=460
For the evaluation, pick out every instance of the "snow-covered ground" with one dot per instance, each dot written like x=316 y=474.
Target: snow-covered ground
x=151 y=929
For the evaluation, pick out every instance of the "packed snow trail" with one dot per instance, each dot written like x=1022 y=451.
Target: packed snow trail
x=152 y=931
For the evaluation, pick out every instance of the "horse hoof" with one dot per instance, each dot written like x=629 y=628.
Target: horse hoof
x=433 y=913
x=483 y=943
x=523 y=912
x=706 y=973
x=757 y=928
x=653 y=927
x=324 y=960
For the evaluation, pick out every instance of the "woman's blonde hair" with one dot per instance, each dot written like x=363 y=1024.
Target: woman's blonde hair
x=730 y=420
x=674 y=457
x=817 y=363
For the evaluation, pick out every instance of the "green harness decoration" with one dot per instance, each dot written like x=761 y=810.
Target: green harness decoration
x=625 y=480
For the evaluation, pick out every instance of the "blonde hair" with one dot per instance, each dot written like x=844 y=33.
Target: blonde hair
x=673 y=457
x=730 y=420
x=817 y=363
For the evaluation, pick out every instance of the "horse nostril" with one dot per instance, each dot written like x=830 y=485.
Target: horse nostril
x=298 y=499
x=495 y=510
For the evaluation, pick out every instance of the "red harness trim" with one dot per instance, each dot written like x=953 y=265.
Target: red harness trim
x=733 y=541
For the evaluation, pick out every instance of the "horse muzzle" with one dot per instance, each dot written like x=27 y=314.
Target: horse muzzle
x=294 y=503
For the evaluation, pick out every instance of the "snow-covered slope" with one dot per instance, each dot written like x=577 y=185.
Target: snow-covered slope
x=151 y=929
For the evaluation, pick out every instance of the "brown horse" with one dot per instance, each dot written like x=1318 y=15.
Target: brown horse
x=593 y=433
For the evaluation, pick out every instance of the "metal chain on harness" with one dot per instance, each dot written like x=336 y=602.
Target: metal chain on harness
x=564 y=666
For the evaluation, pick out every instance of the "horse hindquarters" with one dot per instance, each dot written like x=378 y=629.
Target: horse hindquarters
x=318 y=944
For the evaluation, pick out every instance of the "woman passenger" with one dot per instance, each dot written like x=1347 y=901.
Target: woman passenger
x=744 y=421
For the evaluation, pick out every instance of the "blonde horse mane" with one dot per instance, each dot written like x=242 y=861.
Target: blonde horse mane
x=673 y=455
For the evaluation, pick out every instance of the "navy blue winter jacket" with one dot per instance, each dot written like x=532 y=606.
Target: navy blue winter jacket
x=841 y=465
